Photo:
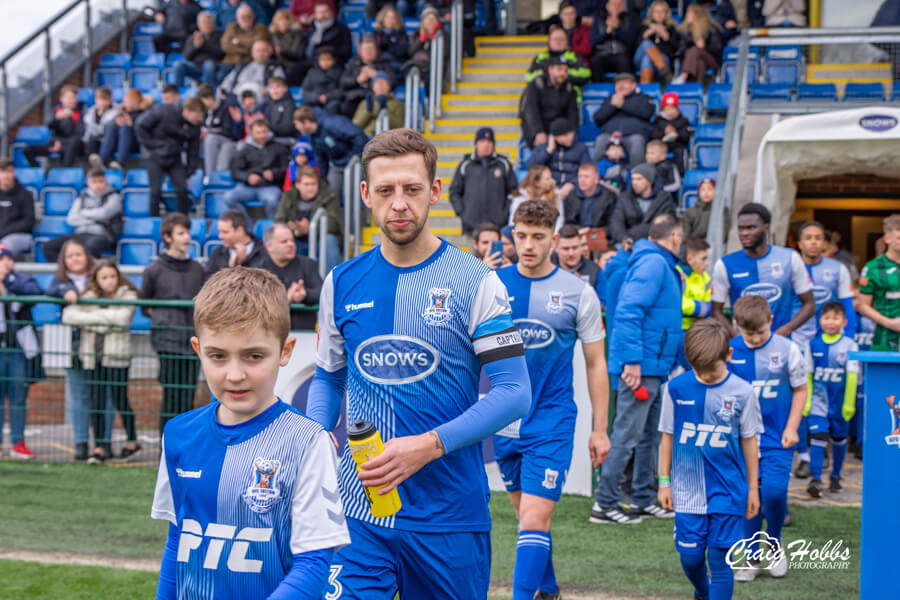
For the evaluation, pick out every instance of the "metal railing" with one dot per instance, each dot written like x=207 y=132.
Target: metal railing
x=456 y=43
x=412 y=115
x=741 y=105
x=436 y=77
x=20 y=97
x=318 y=239
x=351 y=210
x=382 y=121
x=357 y=205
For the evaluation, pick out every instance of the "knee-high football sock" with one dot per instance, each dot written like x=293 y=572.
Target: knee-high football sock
x=548 y=582
x=694 y=566
x=532 y=553
x=816 y=457
x=838 y=453
x=721 y=577
x=774 y=501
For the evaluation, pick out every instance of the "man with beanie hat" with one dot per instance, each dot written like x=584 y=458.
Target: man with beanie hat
x=563 y=153
x=638 y=204
x=549 y=96
x=629 y=111
x=481 y=185
x=379 y=97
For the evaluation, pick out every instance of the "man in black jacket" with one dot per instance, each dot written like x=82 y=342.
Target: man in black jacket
x=165 y=133
x=254 y=74
x=202 y=54
x=222 y=133
x=335 y=140
x=481 y=185
x=613 y=39
x=178 y=18
x=548 y=97
x=357 y=77
x=628 y=111
x=239 y=246
x=279 y=112
x=259 y=168
x=298 y=273
x=590 y=203
x=638 y=204
x=326 y=31
x=16 y=210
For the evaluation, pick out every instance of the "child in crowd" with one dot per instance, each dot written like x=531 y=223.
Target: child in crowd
x=379 y=97
x=221 y=130
x=709 y=479
x=697 y=291
x=274 y=470
x=696 y=218
x=302 y=155
x=73 y=268
x=173 y=276
x=322 y=85
x=249 y=111
x=672 y=128
x=105 y=353
x=832 y=399
x=66 y=131
x=613 y=168
x=119 y=139
x=170 y=94
x=776 y=368
x=97 y=119
x=279 y=111
x=667 y=176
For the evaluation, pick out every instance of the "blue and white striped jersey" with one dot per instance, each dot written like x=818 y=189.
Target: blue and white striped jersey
x=246 y=498
x=707 y=422
x=413 y=340
x=773 y=369
x=830 y=364
x=551 y=313
x=830 y=281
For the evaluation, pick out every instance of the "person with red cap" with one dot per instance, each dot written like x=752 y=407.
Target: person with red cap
x=672 y=128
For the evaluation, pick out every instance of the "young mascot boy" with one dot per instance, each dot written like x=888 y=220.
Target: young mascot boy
x=247 y=483
x=708 y=459
x=776 y=368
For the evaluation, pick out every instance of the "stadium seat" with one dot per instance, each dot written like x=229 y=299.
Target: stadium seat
x=651 y=89
x=718 y=97
x=140 y=323
x=895 y=91
x=136 y=180
x=144 y=229
x=690 y=100
x=770 y=91
x=136 y=204
x=28 y=135
x=43 y=279
x=194 y=187
x=136 y=252
x=588 y=130
x=114 y=177
x=112 y=69
x=296 y=93
x=148 y=29
x=260 y=227
x=86 y=96
x=212 y=232
x=198 y=229
x=145 y=71
x=61 y=187
x=709 y=132
x=783 y=72
x=210 y=246
x=708 y=155
x=50 y=227
x=729 y=66
x=118 y=94
x=864 y=91
x=213 y=204
x=597 y=91
x=32 y=179
x=812 y=92
x=142 y=45
x=690 y=183
x=220 y=180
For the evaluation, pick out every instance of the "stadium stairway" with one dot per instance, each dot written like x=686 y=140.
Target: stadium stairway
x=487 y=96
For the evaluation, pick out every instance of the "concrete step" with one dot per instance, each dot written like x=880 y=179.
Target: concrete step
x=517 y=60
x=454 y=154
x=493 y=87
x=514 y=41
x=493 y=75
x=471 y=128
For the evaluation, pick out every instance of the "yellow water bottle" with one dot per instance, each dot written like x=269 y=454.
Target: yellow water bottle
x=365 y=444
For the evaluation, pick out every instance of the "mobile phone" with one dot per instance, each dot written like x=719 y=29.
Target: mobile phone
x=497 y=248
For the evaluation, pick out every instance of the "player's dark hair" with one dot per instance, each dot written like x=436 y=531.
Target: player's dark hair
x=205 y=91
x=834 y=306
x=171 y=88
x=755 y=208
x=809 y=224
x=170 y=221
x=536 y=213
x=752 y=312
x=695 y=244
x=663 y=226
x=567 y=232
x=705 y=344
x=236 y=218
x=397 y=142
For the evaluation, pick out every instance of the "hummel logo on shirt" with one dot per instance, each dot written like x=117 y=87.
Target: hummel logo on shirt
x=369 y=304
x=188 y=474
x=739 y=275
x=741 y=361
x=684 y=402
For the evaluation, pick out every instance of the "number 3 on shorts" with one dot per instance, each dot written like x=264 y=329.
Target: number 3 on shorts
x=336 y=588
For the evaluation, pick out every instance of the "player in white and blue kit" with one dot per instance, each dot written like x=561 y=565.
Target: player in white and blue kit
x=405 y=330
x=708 y=459
x=777 y=369
x=552 y=309
x=247 y=483
x=773 y=272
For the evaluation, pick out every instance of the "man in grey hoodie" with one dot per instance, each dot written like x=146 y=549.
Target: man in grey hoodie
x=96 y=216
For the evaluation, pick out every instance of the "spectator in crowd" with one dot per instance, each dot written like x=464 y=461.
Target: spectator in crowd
x=548 y=97
x=249 y=111
x=590 y=203
x=613 y=165
x=482 y=184
x=659 y=42
x=639 y=204
x=879 y=290
x=258 y=168
x=287 y=40
x=20 y=345
x=66 y=131
x=668 y=178
x=558 y=45
x=695 y=303
x=97 y=119
x=170 y=94
x=119 y=139
x=725 y=14
x=96 y=216
x=73 y=268
x=179 y=19
x=672 y=128
x=644 y=346
x=302 y=155
x=104 y=351
x=239 y=37
x=696 y=218
x=303 y=11
x=614 y=39
x=569 y=256
x=356 y=81
x=702 y=44
x=483 y=237
x=562 y=152
x=173 y=276
x=300 y=203
x=577 y=31
x=226 y=12
x=239 y=246
x=255 y=74
x=420 y=47
x=16 y=211
x=165 y=133
x=784 y=13
x=379 y=97
x=390 y=37
x=298 y=273
x=221 y=132
x=202 y=54
x=510 y=256
x=327 y=31
x=540 y=185
x=322 y=84
x=629 y=111
x=279 y=111
x=335 y=140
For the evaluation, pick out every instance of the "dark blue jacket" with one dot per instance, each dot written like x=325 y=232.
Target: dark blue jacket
x=563 y=161
x=648 y=313
x=336 y=140
x=634 y=116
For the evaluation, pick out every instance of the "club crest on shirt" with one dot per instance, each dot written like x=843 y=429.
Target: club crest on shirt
x=842 y=357
x=550 y=479
x=554 y=304
x=262 y=495
x=828 y=275
x=498 y=173
x=438 y=313
x=777 y=270
x=775 y=361
x=727 y=410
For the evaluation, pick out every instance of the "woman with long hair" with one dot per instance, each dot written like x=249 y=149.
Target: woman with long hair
x=390 y=36
x=702 y=44
x=538 y=184
x=659 y=42
x=287 y=41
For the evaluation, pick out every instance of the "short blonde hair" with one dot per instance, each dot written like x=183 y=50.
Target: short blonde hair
x=705 y=344
x=242 y=298
x=752 y=312
x=892 y=223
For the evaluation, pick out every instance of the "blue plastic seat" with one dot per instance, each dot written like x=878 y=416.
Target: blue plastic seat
x=137 y=179
x=110 y=78
x=136 y=252
x=296 y=93
x=61 y=187
x=114 y=61
x=136 y=204
x=32 y=179
x=145 y=80
x=691 y=182
x=784 y=53
x=729 y=67
x=588 y=130
x=146 y=228
x=817 y=92
x=27 y=135
x=220 y=180
x=173 y=57
x=142 y=45
x=114 y=177
x=651 y=89
x=194 y=187
x=112 y=69
x=864 y=91
x=86 y=96
x=708 y=155
x=155 y=60
x=690 y=100
x=148 y=29
x=770 y=91
x=213 y=204
x=709 y=132
x=57 y=202
x=411 y=25
x=118 y=94
x=718 y=97
x=260 y=227
x=198 y=229
x=784 y=72
x=50 y=227
x=597 y=91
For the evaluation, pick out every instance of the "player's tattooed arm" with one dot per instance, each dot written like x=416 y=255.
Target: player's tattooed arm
x=438 y=444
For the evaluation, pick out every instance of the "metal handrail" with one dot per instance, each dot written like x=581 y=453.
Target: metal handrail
x=357 y=205
x=318 y=239
x=456 y=43
x=411 y=115
x=382 y=121
x=436 y=77
x=349 y=199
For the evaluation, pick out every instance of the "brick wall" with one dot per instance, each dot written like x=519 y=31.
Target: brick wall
x=855 y=185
